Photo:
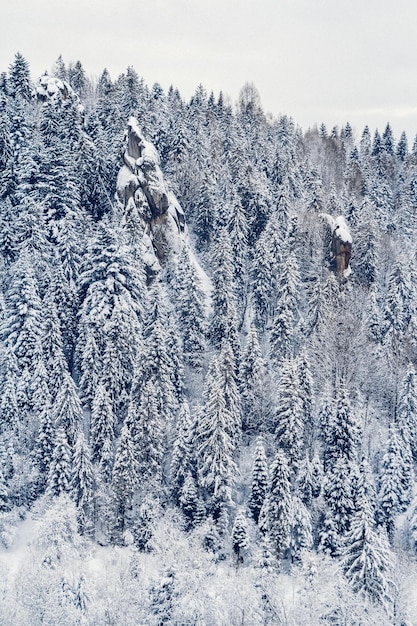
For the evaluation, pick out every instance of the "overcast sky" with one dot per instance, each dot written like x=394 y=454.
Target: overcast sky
x=316 y=60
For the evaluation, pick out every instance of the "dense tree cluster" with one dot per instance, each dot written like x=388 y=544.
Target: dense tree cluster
x=133 y=402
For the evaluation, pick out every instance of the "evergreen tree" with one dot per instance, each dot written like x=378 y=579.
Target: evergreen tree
x=9 y=413
x=365 y=558
x=289 y=414
x=181 y=460
x=240 y=539
x=4 y=494
x=342 y=433
x=395 y=483
x=125 y=475
x=228 y=382
x=223 y=324
x=338 y=494
x=66 y=409
x=252 y=378
x=19 y=78
x=102 y=425
x=191 y=315
x=275 y=515
x=147 y=429
x=300 y=530
x=407 y=410
x=21 y=329
x=214 y=443
x=259 y=486
x=82 y=483
x=60 y=469
x=91 y=366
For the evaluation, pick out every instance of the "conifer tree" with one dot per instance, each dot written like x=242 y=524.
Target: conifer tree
x=252 y=378
x=9 y=414
x=309 y=479
x=214 y=443
x=191 y=315
x=102 y=425
x=4 y=494
x=44 y=447
x=365 y=558
x=337 y=491
x=181 y=460
x=395 y=483
x=223 y=324
x=21 y=329
x=66 y=409
x=91 y=366
x=407 y=409
x=275 y=515
x=240 y=539
x=147 y=428
x=259 y=486
x=228 y=382
x=82 y=483
x=60 y=469
x=300 y=529
x=19 y=78
x=261 y=282
x=125 y=475
x=342 y=433
x=289 y=415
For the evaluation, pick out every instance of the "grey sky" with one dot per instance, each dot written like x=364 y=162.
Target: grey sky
x=316 y=60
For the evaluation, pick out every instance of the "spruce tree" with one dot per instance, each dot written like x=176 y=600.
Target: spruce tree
x=395 y=482
x=66 y=409
x=82 y=483
x=288 y=421
x=214 y=444
x=191 y=314
x=60 y=469
x=102 y=425
x=240 y=539
x=252 y=378
x=275 y=515
x=300 y=530
x=365 y=558
x=259 y=486
x=125 y=475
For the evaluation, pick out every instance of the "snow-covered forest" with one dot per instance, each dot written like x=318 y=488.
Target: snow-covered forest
x=208 y=410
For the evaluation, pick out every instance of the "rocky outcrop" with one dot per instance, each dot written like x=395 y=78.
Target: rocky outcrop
x=142 y=191
x=341 y=244
x=51 y=88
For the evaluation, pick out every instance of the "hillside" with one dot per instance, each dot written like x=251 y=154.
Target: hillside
x=208 y=349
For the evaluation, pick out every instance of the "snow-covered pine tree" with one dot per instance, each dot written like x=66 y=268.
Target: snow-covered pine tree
x=191 y=313
x=66 y=409
x=102 y=425
x=288 y=419
x=125 y=475
x=365 y=557
x=240 y=538
x=275 y=515
x=260 y=481
x=395 y=481
x=252 y=379
x=82 y=484
x=214 y=444
x=60 y=469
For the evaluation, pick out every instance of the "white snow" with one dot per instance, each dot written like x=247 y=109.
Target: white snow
x=342 y=230
x=338 y=226
x=125 y=177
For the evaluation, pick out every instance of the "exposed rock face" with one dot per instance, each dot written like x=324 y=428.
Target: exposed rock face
x=142 y=192
x=51 y=88
x=341 y=244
